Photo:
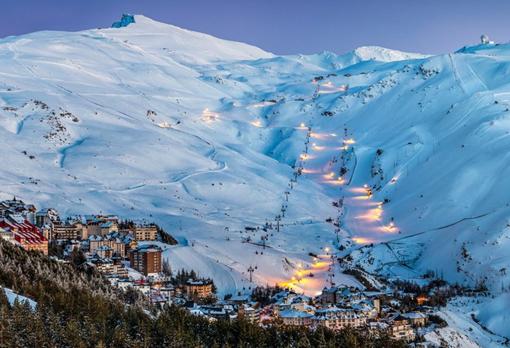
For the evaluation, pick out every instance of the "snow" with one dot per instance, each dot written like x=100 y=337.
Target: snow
x=462 y=329
x=164 y=41
x=384 y=54
x=132 y=273
x=494 y=314
x=12 y=297
x=449 y=337
x=290 y=313
x=200 y=135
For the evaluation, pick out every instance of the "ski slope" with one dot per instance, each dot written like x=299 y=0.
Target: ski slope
x=398 y=159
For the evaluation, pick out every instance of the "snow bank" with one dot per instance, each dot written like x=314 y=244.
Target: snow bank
x=495 y=316
x=12 y=297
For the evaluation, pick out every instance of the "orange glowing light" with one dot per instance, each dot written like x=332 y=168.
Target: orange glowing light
x=320 y=264
x=209 y=116
x=256 y=123
x=337 y=182
x=368 y=190
x=349 y=141
x=371 y=215
x=318 y=135
x=358 y=190
x=391 y=228
x=330 y=175
x=329 y=87
x=287 y=285
x=362 y=240
x=309 y=171
x=374 y=204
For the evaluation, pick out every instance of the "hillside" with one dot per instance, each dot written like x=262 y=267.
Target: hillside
x=70 y=307
x=201 y=136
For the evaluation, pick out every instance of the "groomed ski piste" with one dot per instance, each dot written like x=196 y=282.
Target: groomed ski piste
x=279 y=163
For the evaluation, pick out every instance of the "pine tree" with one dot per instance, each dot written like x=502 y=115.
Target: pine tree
x=303 y=341
x=167 y=269
x=72 y=335
x=78 y=257
x=319 y=339
x=121 y=338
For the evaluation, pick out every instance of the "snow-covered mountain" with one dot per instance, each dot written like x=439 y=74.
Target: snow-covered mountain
x=204 y=136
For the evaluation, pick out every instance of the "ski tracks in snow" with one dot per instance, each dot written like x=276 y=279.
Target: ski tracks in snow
x=462 y=81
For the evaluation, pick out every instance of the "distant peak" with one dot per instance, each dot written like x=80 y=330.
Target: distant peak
x=384 y=54
x=126 y=20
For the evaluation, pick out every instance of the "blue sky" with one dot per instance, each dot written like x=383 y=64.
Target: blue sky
x=285 y=26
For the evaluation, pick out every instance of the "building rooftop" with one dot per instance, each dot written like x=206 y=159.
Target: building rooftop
x=199 y=282
x=414 y=315
x=290 y=313
x=148 y=248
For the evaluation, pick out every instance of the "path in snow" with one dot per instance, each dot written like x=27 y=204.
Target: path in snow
x=361 y=215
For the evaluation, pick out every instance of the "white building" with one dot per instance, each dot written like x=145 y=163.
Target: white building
x=339 y=318
x=296 y=318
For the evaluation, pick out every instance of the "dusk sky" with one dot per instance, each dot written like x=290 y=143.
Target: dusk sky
x=285 y=26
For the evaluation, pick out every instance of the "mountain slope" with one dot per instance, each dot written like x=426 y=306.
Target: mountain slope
x=204 y=136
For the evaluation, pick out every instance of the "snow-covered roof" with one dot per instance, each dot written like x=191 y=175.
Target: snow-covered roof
x=379 y=325
x=143 y=248
x=199 y=282
x=290 y=313
x=414 y=315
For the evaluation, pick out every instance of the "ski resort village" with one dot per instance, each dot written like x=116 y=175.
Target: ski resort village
x=163 y=187
x=130 y=256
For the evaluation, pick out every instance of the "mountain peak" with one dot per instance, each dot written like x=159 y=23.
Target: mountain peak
x=383 y=54
x=185 y=46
